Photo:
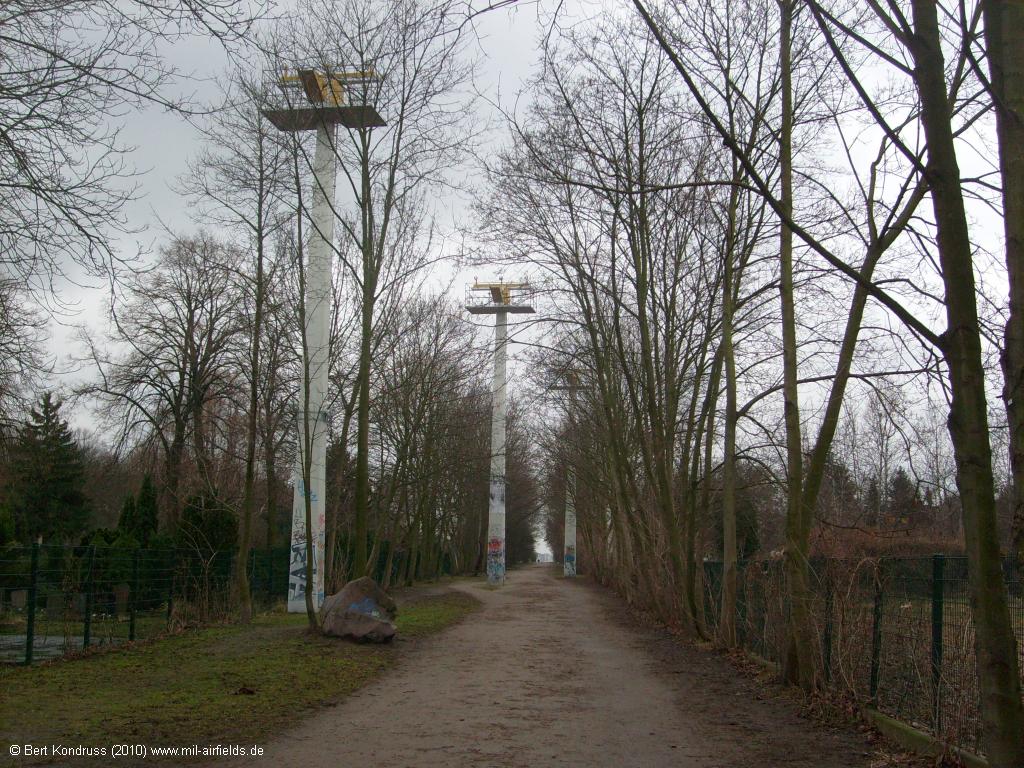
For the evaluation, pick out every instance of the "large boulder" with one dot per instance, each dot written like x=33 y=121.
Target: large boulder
x=362 y=611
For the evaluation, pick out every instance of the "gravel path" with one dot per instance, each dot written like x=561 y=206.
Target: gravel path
x=552 y=672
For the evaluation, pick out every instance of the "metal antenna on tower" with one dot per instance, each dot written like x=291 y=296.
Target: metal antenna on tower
x=497 y=299
x=307 y=99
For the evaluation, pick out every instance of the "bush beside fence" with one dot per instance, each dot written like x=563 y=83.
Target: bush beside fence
x=56 y=600
x=893 y=632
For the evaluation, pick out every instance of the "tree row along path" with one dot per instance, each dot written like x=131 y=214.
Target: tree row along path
x=555 y=672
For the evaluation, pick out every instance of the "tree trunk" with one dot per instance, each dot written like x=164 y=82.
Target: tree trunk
x=1004 y=21
x=702 y=447
x=388 y=565
x=362 y=495
x=306 y=432
x=818 y=460
x=729 y=575
x=705 y=488
x=173 y=479
x=270 y=480
x=361 y=564
x=995 y=644
x=799 y=665
x=252 y=424
x=199 y=439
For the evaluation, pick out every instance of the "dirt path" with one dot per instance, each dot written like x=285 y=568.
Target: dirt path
x=551 y=672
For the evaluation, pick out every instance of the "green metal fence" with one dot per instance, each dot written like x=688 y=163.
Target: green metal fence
x=893 y=632
x=56 y=600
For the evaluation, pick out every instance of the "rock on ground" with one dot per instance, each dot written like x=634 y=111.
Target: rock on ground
x=362 y=611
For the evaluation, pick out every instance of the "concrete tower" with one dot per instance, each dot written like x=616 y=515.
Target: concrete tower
x=497 y=301
x=315 y=101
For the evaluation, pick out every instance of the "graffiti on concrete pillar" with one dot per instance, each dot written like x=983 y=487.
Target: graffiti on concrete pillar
x=495 y=560
x=569 y=561
x=496 y=532
x=297 y=569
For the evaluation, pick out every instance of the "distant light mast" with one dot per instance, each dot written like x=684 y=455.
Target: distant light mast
x=312 y=100
x=497 y=301
x=569 y=556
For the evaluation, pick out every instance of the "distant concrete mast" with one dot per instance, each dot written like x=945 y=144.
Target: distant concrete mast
x=498 y=302
x=572 y=386
x=322 y=106
x=569 y=556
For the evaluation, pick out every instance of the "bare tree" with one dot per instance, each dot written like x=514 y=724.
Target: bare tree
x=68 y=70
x=238 y=181
x=167 y=358
x=22 y=360
x=1003 y=21
x=917 y=38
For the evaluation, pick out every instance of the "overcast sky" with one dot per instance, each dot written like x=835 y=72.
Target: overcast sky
x=163 y=143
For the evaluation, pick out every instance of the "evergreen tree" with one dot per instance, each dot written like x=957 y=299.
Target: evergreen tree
x=139 y=514
x=6 y=525
x=45 y=491
x=129 y=520
x=207 y=525
x=146 y=512
x=873 y=504
x=904 y=503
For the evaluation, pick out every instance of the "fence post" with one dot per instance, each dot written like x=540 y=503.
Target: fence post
x=233 y=562
x=741 y=604
x=87 y=621
x=938 y=599
x=708 y=597
x=826 y=637
x=270 y=575
x=876 y=638
x=251 y=560
x=33 y=586
x=133 y=605
x=170 y=586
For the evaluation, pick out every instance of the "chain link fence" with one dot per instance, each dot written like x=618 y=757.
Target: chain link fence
x=58 y=600
x=893 y=632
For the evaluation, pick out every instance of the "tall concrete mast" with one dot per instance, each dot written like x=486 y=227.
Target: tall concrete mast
x=569 y=555
x=322 y=109
x=569 y=552
x=498 y=302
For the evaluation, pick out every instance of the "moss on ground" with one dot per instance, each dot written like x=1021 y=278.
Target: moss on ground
x=222 y=685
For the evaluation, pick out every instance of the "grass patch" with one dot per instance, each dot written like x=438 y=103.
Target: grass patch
x=223 y=685
x=420 y=618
